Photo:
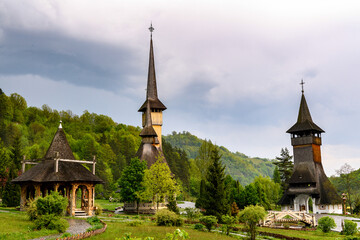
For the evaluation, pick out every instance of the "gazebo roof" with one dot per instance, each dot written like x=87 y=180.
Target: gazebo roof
x=67 y=171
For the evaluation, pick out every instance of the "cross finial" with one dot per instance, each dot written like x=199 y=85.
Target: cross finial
x=302 y=85
x=151 y=29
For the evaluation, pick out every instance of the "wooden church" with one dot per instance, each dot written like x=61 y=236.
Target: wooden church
x=308 y=180
x=151 y=143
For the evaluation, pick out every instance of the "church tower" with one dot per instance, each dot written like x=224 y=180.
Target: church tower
x=308 y=179
x=156 y=106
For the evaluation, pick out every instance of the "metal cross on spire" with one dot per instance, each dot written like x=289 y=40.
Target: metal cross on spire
x=151 y=29
x=302 y=85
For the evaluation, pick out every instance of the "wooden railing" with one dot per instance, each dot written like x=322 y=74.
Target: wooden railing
x=289 y=216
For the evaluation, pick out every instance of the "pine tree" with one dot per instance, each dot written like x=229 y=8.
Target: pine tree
x=11 y=195
x=215 y=201
x=276 y=175
x=285 y=166
x=200 y=201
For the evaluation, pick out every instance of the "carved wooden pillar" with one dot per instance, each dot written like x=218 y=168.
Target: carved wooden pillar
x=90 y=200
x=56 y=186
x=23 y=197
x=83 y=196
x=73 y=199
x=68 y=209
x=37 y=191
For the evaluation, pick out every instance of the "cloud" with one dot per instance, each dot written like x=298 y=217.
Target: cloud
x=226 y=71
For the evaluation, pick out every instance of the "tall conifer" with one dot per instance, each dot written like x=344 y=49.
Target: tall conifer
x=215 y=201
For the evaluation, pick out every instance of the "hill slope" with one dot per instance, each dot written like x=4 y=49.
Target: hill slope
x=238 y=165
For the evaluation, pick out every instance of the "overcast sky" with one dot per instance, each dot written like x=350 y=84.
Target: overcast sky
x=228 y=71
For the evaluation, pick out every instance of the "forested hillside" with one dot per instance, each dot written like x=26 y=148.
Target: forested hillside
x=29 y=130
x=238 y=165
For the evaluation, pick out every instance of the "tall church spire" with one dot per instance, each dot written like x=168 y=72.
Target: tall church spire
x=152 y=103
x=151 y=90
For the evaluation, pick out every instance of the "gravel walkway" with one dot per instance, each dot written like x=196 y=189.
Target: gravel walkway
x=76 y=226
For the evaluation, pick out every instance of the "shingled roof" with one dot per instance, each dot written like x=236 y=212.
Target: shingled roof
x=148 y=151
x=67 y=171
x=151 y=93
x=323 y=190
x=304 y=122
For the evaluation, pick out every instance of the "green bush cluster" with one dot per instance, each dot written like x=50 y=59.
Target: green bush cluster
x=94 y=222
x=208 y=221
x=45 y=212
x=350 y=227
x=192 y=213
x=165 y=217
x=199 y=226
x=228 y=222
x=325 y=224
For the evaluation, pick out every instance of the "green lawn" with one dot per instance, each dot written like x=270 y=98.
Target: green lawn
x=316 y=235
x=118 y=229
x=14 y=225
x=105 y=204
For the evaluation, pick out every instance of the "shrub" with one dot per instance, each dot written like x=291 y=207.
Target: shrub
x=52 y=222
x=165 y=217
x=208 y=221
x=94 y=227
x=350 y=227
x=325 y=224
x=228 y=222
x=53 y=203
x=31 y=210
x=199 y=226
x=66 y=235
x=192 y=213
x=58 y=224
x=251 y=216
x=172 y=206
x=93 y=220
x=98 y=209
x=177 y=235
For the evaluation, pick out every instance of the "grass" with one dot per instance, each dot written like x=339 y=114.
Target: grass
x=105 y=204
x=118 y=229
x=14 y=225
x=316 y=235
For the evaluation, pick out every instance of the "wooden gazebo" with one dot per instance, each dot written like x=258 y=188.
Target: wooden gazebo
x=59 y=171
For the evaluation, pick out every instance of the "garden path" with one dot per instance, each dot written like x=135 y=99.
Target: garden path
x=77 y=226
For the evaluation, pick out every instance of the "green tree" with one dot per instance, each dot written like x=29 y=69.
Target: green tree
x=285 y=166
x=215 y=201
x=251 y=195
x=203 y=159
x=228 y=222
x=209 y=221
x=348 y=182
x=11 y=194
x=251 y=216
x=200 y=202
x=269 y=192
x=276 y=175
x=158 y=182
x=130 y=181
